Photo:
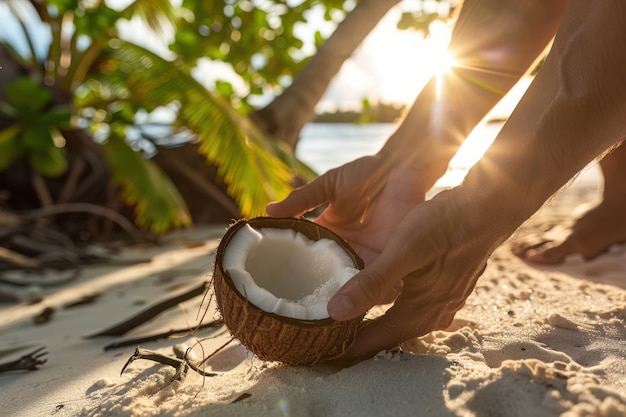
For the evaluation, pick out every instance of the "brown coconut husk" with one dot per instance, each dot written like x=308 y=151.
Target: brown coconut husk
x=273 y=337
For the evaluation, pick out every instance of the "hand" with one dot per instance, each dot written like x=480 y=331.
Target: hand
x=368 y=198
x=438 y=254
x=420 y=251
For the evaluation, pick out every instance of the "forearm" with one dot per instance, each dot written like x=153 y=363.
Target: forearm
x=573 y=112
x=494 y=43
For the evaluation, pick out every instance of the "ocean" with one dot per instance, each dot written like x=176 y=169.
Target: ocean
x=324 y=146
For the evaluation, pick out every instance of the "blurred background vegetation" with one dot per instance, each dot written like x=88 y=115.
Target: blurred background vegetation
x=94 y=125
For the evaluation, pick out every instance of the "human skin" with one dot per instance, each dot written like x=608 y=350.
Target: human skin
x=571 y=113
x=506 y=38
x=595 y=230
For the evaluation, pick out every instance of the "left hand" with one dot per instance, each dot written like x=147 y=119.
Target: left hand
x=367 y=199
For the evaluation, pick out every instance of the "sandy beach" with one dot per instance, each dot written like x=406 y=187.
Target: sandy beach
x=531 y=341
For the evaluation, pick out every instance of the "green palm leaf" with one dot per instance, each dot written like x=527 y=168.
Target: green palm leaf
x=247 y=162
x=159 y=15
x=158 y=205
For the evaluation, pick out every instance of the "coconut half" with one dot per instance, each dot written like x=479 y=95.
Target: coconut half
x=273 y=279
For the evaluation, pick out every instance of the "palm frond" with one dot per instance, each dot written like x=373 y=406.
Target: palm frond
x=247 y=161
x=158 y=205
x=159 y=15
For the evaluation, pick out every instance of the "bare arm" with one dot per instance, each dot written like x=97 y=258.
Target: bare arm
x=495 y=42
x=573 y=111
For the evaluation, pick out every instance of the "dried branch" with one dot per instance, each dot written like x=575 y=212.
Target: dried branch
x=180 y=365
x=122 y=221
x=150 y=313
x=17 y=259
x=161 y=336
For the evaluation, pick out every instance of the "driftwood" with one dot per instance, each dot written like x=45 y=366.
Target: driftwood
x=151 y=312
x=161 y=336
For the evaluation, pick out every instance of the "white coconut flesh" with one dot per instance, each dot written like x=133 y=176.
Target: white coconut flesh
x=283 y=272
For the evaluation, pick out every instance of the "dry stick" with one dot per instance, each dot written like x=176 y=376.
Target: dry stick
x=10 y=219
x=160 y=336
x=43 y=194
x=29 y=362
x=216 y=351
x=150 y=313
x=122 y=221
x=72 y=180
x=195 y=367
x=141 y=353
x=18 y=259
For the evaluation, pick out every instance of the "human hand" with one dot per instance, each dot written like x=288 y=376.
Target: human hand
x=424 y=252
x=437 y=254
x=367 y=199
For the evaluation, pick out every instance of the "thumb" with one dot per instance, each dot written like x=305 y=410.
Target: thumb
x=366 y=289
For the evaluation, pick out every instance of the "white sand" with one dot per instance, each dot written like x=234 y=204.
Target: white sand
x=530 y=342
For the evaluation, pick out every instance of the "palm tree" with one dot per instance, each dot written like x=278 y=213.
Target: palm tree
x=67 y=120
x=88 y=90
x=284 y=117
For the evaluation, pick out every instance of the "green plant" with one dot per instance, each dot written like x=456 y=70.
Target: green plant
x=36 y=129
x=94 y=82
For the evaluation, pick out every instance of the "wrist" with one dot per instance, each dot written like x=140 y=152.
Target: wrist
x=424 y=160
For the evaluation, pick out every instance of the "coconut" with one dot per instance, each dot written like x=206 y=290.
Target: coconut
x=273 y=278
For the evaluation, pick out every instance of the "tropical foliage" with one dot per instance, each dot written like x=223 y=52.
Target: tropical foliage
x=92 y=86
x=90 y=73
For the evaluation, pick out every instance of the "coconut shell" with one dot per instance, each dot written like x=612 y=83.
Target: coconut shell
x=273 y=337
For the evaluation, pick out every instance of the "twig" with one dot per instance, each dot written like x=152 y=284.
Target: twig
x=72 y=180
x=9 y=219
x=216 y=351
x=41 y=189
x=160 y=336
x=122 y=221
x=18 y=259
x=150 y=313
x=179 y=364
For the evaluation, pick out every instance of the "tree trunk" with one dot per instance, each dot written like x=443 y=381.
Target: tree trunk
x=286 y=115
x=198 y=184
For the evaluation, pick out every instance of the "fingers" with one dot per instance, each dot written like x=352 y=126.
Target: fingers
x=373 y=285
x=304 y=199
x=390 y=330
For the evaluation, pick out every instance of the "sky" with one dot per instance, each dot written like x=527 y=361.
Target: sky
x=389 y=66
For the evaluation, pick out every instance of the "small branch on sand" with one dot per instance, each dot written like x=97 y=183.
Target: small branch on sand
x=160 y=336
x=181 y=365
x=151 y=312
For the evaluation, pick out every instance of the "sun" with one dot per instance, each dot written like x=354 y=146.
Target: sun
x=442 y=63
x=397 y=64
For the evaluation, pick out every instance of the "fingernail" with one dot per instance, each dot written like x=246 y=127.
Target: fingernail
x=339 y=307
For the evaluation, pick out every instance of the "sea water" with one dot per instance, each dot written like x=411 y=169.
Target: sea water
x=324 y=146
